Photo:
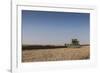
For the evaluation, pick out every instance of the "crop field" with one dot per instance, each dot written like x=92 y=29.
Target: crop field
x=56 y=54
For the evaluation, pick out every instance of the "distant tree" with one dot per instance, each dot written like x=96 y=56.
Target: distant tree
x=65 y=45
x=75 y=42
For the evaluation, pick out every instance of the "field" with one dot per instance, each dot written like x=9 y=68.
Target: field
x=56 y=54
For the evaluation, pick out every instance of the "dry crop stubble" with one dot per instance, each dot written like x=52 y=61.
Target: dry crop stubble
x=56 y=54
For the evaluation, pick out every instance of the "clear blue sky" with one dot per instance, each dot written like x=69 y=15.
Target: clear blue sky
x=54 y=28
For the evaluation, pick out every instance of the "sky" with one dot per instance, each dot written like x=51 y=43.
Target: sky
x=54 y=28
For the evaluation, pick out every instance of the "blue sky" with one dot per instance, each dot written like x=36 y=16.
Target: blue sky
x=54 y=28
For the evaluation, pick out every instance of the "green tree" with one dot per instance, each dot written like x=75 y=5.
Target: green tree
x=65 y=45
x=75 y=42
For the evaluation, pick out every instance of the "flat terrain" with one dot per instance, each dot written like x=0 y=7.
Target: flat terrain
x=56 y=54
